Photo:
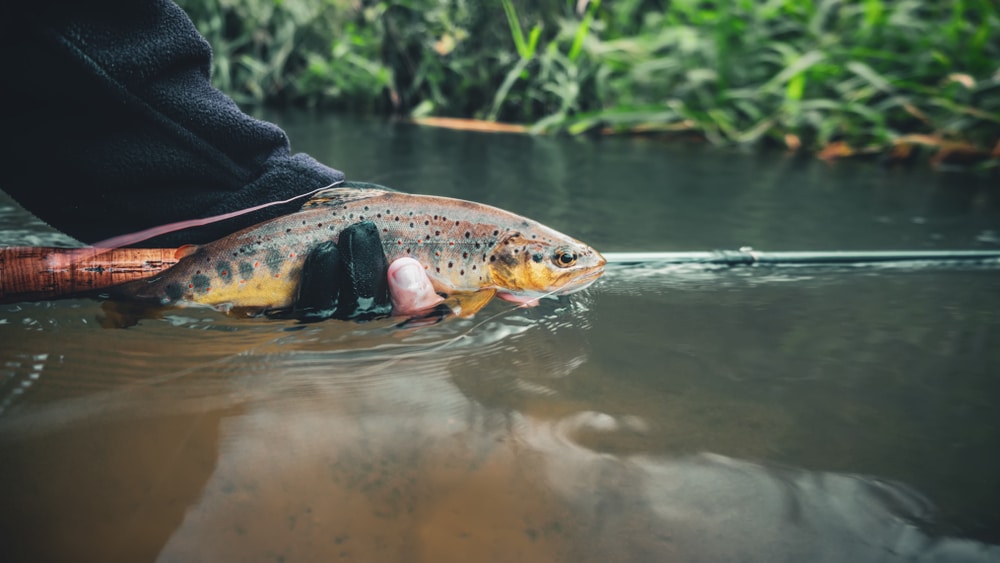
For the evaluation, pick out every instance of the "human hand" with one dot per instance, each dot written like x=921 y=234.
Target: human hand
x=352 y=280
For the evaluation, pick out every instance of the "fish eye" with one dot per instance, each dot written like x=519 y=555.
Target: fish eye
x=564 y=257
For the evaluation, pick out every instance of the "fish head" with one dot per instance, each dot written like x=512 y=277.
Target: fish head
x=525 y=266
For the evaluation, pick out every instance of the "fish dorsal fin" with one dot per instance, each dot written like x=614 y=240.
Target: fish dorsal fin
x=342 y=195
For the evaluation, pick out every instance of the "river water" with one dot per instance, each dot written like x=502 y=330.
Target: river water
x=664 y=414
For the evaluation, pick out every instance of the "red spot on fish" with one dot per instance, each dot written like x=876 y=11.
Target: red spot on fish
x=399 y=242
x=291 y=255
x=190 y=286
x=277 y=275
x=256 y=264
x=223 y=273
x=451 y=243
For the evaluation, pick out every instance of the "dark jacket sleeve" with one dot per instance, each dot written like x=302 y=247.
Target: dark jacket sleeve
x=113 y=127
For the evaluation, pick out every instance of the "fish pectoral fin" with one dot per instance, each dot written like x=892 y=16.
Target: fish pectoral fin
x=468 y=303
x=342 y=195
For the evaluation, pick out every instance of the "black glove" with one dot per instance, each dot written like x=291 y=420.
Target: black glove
x=346 y=280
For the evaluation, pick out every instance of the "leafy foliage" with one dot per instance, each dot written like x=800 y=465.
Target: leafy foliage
x=830 y=75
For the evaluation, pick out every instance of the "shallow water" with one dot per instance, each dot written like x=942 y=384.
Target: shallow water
x=666 y=413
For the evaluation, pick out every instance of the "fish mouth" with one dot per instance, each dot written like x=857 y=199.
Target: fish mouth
x=581 y=283
x=530 y=298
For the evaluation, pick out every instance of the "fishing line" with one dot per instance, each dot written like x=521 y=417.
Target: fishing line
x=133 y=238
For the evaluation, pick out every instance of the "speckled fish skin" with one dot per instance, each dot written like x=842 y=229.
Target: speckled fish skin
x=464 y=246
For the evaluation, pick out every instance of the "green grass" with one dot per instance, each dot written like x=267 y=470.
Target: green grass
x=839 y=77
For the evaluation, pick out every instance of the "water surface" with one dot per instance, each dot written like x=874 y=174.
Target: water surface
x=666 y=413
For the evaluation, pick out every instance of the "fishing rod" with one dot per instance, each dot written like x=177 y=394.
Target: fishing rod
x=747 y=256
x=44 y=273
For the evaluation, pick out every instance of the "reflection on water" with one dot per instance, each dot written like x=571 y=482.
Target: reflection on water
x=665 y=414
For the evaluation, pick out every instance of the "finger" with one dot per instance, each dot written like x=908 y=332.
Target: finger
x=410 y=288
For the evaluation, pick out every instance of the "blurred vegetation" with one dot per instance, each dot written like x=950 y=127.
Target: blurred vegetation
x=889 y=77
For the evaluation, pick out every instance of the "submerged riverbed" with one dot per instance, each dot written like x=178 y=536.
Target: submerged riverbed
x=666 y=413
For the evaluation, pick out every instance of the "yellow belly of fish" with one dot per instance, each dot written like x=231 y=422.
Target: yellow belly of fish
x=263 y=290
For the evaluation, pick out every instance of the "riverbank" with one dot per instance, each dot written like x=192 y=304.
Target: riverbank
x=897 y=80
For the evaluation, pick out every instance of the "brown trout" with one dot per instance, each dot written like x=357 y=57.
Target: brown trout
x=467 y=248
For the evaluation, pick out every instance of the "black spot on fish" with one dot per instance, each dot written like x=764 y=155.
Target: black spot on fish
x=427 y=222
x=438 y=269
x=246 y=270
x=288 y=230
x=451 y=264
x=366 y=209
x=435 y=217
x=411 y=224
x=273 y=260
x=437 y=233
x=478 y=245
x=397 y=218
x=461 y=272
x=173 y=291
x=378 y=215
x=200 y=282
x=524 y=224
x=493 y=258
x=351 y=216
x=468 y=234
x=537 y=257
x=473 y=266
x=465 y=255
x=496 y=233
x=457 y=223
